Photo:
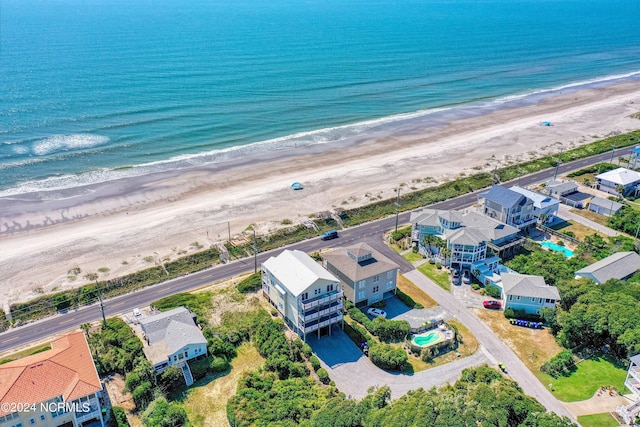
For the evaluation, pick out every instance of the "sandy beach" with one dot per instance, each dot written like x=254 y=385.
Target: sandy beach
x=121 y=226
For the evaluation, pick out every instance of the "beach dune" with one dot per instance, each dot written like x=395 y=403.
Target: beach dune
x=120 y=226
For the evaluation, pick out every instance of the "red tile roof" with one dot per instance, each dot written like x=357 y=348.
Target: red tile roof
x=66 y=370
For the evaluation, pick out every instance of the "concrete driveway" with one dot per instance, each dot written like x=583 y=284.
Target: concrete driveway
x=354 y=373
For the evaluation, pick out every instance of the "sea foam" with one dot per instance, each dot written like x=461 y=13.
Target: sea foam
x=57 y=143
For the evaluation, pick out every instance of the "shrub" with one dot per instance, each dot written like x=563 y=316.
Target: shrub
x=493 y=291
x=475 y=286
x=390 y=330
x=432 y=261
x=560 y=364
x=172 y=379
x=315 y=363
x=252 y=283
x=199 y=367
x=388 y=357
x=397 y=235
x=119 y=417
x=143 y=395
x=323 y=375
x=379 y=304
x=438 y=265
x=306 y=350
x=219 y=364
x=407 y=300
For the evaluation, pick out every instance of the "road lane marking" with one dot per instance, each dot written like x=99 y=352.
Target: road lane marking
x=11 y=339
x=67 y=321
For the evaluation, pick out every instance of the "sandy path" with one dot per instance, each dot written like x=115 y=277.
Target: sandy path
x=161 y=219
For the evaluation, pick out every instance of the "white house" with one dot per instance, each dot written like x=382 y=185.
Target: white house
x=617 y=266
x=308 y=297
x=545 y=208
x=528 y=293
x=632 y=382
x=620 y=178
x=172 y=337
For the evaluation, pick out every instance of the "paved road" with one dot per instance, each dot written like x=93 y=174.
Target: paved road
x=563 y=212
x=497 y=349
x=367 y=232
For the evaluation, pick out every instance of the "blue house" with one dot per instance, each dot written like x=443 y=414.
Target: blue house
x=527 y=292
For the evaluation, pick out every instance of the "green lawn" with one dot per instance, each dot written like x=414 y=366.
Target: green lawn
x=598 y=420
x=440 y=277
x=412 y=257
x=588 y=377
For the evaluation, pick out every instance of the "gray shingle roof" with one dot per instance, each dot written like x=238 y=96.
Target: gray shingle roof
x=503 y=196
x=466 y=236
x=525 y=285
x=170 y=331
x=491 y=228
x=607 y=204
x=616 y=266
x=355 y=271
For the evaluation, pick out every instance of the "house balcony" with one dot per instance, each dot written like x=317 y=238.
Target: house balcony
x=92 y=411
x=317 y=324
x=320 y=300
x=319 y=313
x=633 y=384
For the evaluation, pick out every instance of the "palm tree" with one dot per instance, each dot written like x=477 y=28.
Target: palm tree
x=427 y=241
x=85 y=327
x=445 y=252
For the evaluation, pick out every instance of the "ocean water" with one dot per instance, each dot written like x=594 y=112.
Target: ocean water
x=94 y=90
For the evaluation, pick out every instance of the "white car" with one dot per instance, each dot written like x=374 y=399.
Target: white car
x=137 y=313
x=376 y=312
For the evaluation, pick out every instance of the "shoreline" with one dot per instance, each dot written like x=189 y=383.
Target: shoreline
x=117 y=224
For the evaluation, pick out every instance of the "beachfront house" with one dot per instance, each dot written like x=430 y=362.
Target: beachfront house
x=604 y=207
x=620 y=181
x=545 y=208
x=366 y=276
x=620 y=265
x=508 y=206
x=171 y=338
x=57 y=387
x=467 y=236
x=308 y=297
x=527 y=293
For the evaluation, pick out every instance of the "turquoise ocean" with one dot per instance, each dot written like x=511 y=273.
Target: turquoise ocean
x=95 y=90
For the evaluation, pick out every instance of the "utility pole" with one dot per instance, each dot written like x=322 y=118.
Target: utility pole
x=613 y=152
x=558 y=164
x=104 y=319
x=255 y=252
x=397 y=203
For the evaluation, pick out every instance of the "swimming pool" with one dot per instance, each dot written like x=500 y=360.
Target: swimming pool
x=557 y=248
x=427 y=339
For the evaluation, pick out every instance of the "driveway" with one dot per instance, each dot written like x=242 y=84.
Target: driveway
x=397 y=310
x=354 y=373
x=563 y=212
x=496 y=349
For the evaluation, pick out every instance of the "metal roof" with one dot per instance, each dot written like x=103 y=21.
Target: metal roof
x=297 y=271
x=617 y=266
x=504 y=196
x=540 y=201
x=620 y=176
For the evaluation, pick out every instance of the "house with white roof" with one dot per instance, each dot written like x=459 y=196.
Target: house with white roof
x=366 y=276
x=621 y=178
x=620 y=265
x=171 y=338
x=528 y=293
x=467 y=235
x=308 y=297
x=508 y=206
x=545 y=208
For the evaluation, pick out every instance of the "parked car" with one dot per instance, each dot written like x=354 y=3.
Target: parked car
x=466 y=278
x=328 y=235
x=496 y=305
x=137 y=313
x=455 y=277
x=376 y=312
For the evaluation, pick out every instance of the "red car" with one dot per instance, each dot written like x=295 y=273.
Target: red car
x=492 y=304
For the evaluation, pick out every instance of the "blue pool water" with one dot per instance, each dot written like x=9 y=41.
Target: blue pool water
x=557 y=248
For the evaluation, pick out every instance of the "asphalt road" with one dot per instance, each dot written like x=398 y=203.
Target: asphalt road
x=22 y=335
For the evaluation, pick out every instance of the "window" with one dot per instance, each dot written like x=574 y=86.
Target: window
x=32 y=421
x=548 y=301
x=376 y=289
x=361 y=294
x=186 y=354
x=180 y=356
x=329 y=288
x=316 y=292
x=42 y=417
x=376 y=278
x=510 y=297
x=390 y=274
x=389 y=284
x=361 y=284
x=518 y=297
